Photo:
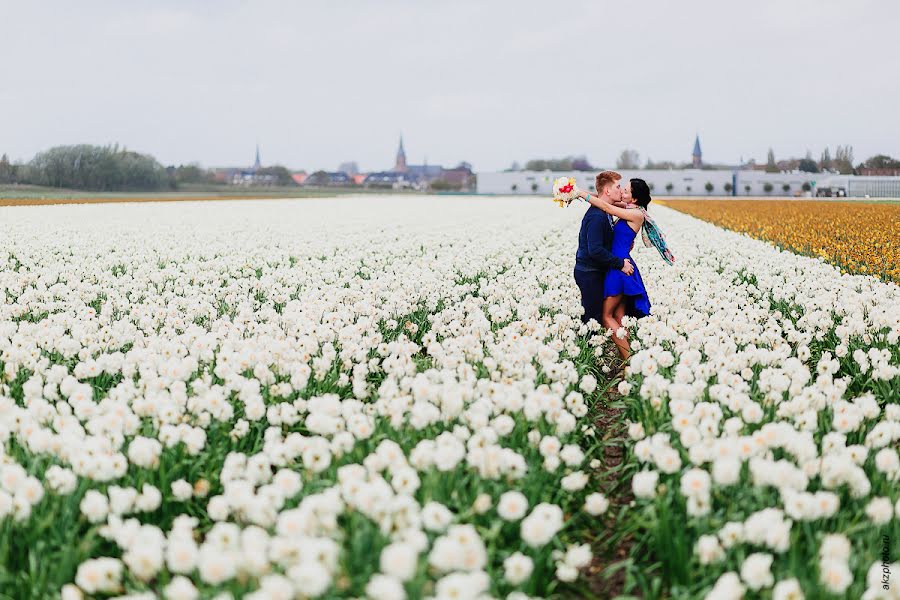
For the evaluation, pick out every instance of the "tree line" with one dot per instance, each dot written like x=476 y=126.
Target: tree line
x=112 y=168
x=86 y=167
x=842 y=162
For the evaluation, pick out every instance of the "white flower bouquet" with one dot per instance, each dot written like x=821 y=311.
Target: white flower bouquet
x=564 y=190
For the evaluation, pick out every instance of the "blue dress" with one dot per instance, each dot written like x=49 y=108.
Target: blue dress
x=637 y=303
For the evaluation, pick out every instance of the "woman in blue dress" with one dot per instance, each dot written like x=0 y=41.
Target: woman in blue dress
x=624 y=294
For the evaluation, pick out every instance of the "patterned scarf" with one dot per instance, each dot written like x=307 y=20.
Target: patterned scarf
x=653 y=236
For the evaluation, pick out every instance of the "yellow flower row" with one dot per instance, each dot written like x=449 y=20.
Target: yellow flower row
x=859 y=237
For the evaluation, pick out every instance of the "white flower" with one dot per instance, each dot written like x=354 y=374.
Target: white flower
x=588 y=384
x=482 y=504
x=399 y=561
x=835 y=575
x=512 y=506
x=727 y=587
x=566 y=572
x=643 y=484
x=100 y=575
x=787 y=589
x=726 y=471
x=835 y=546
x=385 y=587
x=574 y=481
x=695 y=483
x=636 y=430
x=708 y=549
x=94 y=506
x=215 y=566
x=436 y=516
x=517 y=568
x=181 y=588
x=596 y=504
x=578 y=556
x=70 y=592
x=880 y=510
x=182 y=490
x=756 y=571
x=541 y=525
x=309 y=578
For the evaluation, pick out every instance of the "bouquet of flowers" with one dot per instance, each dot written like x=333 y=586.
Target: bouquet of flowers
x=564 y=190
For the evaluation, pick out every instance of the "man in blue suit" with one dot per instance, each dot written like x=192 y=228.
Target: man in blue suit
x=594 y=257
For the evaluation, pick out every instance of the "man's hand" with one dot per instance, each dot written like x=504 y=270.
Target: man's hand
x=628 y=268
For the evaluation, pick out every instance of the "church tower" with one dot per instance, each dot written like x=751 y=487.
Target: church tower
x=256 y=164
x=697 y=155
x=400 y=165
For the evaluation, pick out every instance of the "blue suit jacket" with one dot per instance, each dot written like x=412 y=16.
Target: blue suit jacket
x=595 y=243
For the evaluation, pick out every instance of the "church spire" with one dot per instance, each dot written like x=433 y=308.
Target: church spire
x=400 y=163
x=697 y=154
x=256 y=164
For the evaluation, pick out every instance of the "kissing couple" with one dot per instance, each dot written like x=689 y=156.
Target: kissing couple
x=610 y=283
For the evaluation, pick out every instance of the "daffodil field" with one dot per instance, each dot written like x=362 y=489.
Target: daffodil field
x=857 y=236
x=394 y=397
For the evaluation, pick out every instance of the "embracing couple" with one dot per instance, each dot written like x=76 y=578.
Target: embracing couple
x=610 y=283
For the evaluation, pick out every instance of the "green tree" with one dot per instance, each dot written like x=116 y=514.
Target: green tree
x=843 y=159
x=728 y=187
x=808 y=165
x=825 y=160
x=581 y=163
x=747 y=189
x=514 y=187
x=879 y=161
x=771 y=166
x=534 y=187
x=786 y=187
x=659 y=166
x=669 y=187
x=5 y=170
x=276 y=174
x=709 y=187
x=551 y=164
x=806 y=186
x=318 y=178
x=628 y=159
x=768 y=187
x=99 y=168
x=191 y=173
x=442 y=185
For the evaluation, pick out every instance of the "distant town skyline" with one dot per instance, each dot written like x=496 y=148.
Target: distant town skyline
x=320 y=84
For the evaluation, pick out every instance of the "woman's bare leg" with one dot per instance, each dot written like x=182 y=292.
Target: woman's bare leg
x=620 y=311
x=610 y=306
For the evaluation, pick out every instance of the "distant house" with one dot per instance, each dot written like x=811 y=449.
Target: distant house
x=299 y=178
x=328 y=179
x=424 y=173
x=388 y=180
x=880 y=171
x=420 y=177
x=460 y=176
x=245 y=175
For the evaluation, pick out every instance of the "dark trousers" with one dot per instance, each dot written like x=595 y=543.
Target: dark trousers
x=591 y=285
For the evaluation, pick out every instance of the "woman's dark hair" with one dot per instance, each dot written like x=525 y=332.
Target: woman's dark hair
x=640 y=191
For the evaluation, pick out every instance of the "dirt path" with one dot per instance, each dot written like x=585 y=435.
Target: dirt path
x=611 y=545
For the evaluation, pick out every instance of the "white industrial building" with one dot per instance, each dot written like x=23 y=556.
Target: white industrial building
x=859 y=186
x=694 y=182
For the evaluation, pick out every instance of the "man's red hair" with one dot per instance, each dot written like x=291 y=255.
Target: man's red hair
x=605 y=178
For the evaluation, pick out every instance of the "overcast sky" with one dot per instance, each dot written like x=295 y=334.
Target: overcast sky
x=490 y=82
